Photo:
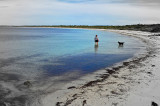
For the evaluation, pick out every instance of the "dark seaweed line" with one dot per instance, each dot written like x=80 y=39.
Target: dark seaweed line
x=103 y=77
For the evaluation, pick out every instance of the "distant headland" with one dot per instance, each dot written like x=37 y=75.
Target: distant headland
x=136 y=27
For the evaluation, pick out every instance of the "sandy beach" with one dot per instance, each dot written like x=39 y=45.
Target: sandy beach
x=135 y=81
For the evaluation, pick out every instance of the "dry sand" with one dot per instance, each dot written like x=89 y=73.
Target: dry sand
x=135 y=82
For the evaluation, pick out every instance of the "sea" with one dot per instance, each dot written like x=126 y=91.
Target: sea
x=39 y=54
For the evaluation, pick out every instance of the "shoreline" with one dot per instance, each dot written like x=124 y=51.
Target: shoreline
x=110 y=82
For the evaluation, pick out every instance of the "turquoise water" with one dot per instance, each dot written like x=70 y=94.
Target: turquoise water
x=37 y=52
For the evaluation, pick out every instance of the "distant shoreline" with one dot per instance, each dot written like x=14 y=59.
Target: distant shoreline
x=137 y=27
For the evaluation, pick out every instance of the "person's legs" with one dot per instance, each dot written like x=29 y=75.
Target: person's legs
x=95 y=43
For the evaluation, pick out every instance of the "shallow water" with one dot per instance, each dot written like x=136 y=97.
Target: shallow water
x=37 y=54
x=53 y=51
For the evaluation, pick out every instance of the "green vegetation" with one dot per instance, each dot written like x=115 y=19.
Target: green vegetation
x=138 y=27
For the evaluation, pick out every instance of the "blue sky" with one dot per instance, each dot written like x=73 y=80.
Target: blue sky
x=79 y=12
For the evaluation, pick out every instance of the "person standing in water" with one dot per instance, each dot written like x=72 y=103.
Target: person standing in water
x=96 y=40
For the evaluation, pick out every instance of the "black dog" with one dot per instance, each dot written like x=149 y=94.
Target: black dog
x=154 y=104
x=120 y=43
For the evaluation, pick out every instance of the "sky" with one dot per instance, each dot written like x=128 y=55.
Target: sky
x=79 y=12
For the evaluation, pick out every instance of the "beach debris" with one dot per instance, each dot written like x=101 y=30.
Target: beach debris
x=149 y=72
x=132 y=66
x=115 y=68
x=126 y=63
x=122 y=90
x=110 y=71
x=58 y=103
x=154 y=104
x=74 y=95
x=153 y=65
x=69 y=101
x=111 y=83
x=72 y=87
x=104 y=76
x=114 y=92
x=27 y=83
x=84 y=102
x=91 y=83
x=114 y=104
x=115 y=76
x=155 y=35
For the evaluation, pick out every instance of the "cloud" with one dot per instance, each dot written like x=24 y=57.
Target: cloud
x=138 y=1
x=92 y=12
x=76 y=1
x=112 y=1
